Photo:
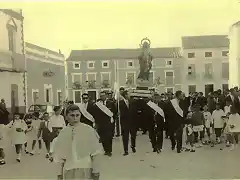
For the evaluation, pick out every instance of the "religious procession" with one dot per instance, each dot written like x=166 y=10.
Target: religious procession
x=75 y=135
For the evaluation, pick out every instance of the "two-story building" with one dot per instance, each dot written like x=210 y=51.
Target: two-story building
x=12 y=60
x=95 y=70
x=45 y=75
x=206 y=66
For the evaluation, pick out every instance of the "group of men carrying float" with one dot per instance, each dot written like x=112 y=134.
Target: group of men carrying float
x=158 y=115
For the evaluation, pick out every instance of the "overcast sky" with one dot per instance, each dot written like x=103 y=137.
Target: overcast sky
x=90 y=25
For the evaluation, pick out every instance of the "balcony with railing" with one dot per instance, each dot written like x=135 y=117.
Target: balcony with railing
x=77 y=85
x=91 y=84
x=105 y=84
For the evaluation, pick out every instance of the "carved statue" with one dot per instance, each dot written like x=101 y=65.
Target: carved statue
x=145 y=60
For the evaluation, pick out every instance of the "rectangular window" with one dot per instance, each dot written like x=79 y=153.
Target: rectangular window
x=208 y=69
x=91 y=65
x=225 y=70
x=77 y=78
x=192 y=88
x=225 y=53
x=47 y=95
x=169 y=76
x=169 y=63
x=105 y=64
x=35 y=97
x=130 y=78
x=77 y=96
x=225 y=87
x=191 y=55
x=130 y=64
x=191 y=69
x=59 y=97
x=11 y=39
x=76 y=65
x=208 y=54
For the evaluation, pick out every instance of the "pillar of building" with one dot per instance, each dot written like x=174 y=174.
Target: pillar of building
x=234 y=55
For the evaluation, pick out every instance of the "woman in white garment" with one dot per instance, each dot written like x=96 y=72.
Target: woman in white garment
x=76 y=149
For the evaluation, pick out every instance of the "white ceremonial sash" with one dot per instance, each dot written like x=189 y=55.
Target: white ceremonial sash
x=104 y=109
x=156 y=108
x=85 y=113
x=177 y=107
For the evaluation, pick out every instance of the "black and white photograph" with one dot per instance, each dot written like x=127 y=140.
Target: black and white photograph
x=120 y=90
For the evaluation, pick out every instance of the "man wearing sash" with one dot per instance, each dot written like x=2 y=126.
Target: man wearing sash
x=155 y=116
x=86 y=110
x=127 y=123
x=104 y=119
x=111 y=105
x=175 y=119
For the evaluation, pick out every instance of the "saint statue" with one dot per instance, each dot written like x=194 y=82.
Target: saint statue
x=145 y=60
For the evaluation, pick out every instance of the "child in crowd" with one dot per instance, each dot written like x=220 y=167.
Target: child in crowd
x=190 y=136
x=218 y=122
x=227 y=113
x=45 y=133
x=234 y=126
x=32 y=132
x=18 y=134
x=198 y=125
x=208 y=121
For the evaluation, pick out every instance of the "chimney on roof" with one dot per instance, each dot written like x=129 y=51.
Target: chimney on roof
x=59 y=51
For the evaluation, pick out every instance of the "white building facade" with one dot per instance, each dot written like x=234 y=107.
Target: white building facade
x=12 y=60
x=206 y=66
x=234 y=55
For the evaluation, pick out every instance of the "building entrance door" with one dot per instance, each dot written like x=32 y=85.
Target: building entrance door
x=209 y=88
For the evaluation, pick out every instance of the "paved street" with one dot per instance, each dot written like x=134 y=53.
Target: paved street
x=206 y=162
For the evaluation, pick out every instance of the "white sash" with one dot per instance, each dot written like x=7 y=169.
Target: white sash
x=156 y=108
x=85 y=113
x=104 y=109
x=177 y=107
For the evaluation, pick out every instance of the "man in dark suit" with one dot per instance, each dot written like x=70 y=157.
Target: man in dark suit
x=89 y=108
x=103 y=120
x=112 y=106
x=174 y=116
x=127 y=125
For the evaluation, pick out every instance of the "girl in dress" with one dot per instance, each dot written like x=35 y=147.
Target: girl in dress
x=32 y=139
x=227 y=113
x=18 y=129
x=218 y=122
x=234 y=126
x=208 y=121
x=77 y=148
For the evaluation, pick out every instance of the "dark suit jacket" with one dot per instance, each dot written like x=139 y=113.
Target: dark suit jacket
x=125 y=113
x=173 y=119
x=102 y=120
x=111 y=105
x=90 y=111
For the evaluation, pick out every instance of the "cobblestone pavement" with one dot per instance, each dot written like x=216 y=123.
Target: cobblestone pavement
x=205 y=163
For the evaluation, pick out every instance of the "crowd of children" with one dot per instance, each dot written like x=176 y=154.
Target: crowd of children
x=204 y=128
x=24 y=135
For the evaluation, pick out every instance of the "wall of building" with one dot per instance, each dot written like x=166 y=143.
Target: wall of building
x=12 y=83
x=199 y=79
x=40 y=60
x=234 y=55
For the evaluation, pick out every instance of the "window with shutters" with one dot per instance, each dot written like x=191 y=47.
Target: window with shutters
x=208 y=70
x=225 y=70
x=130 y=78
x=77 y=96
x=169 y=77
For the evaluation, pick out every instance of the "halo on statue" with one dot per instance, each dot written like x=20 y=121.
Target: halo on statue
x=144 y=41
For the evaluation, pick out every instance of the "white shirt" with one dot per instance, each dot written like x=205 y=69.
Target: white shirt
x=234 y=119
x=208 y=119
x=56 y=121
x=227 y=109
x=85 y=105
x=217 y=118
